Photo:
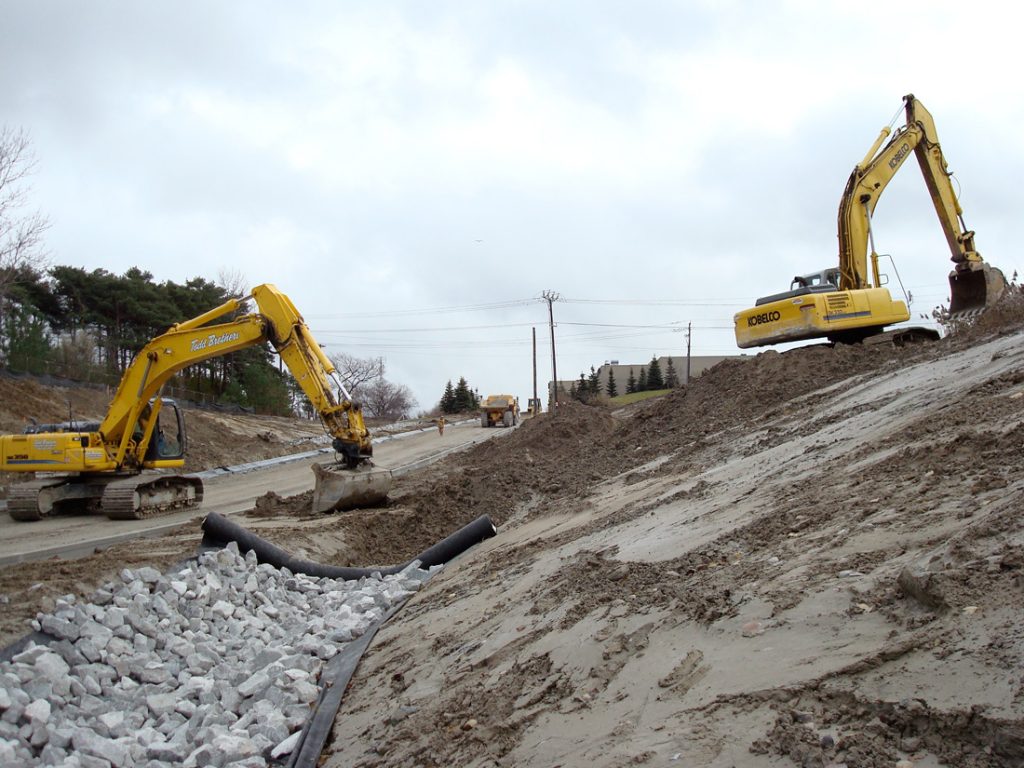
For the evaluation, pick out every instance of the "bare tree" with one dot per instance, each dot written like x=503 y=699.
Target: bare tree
x=356 y=372
x=383 y=400
x=233 y=281
x=21 y=231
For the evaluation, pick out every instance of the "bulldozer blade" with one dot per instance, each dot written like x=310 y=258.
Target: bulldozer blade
x=338 y=487
x=975 y=289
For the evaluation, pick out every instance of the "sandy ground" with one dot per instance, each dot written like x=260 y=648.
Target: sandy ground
x=806 y=559
x=836 y=582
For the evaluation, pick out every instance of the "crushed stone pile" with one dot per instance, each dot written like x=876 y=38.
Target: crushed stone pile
x=213 y=664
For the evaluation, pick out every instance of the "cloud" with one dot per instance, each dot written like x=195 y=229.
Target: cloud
x=367 y=158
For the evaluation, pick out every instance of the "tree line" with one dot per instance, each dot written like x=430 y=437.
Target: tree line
x=89 y=325
x=650 y=379
x=458 y=399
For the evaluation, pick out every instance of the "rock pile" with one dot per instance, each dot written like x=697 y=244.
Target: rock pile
x=213 y=664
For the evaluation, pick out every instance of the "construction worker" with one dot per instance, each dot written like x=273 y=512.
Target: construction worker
x=440 y=425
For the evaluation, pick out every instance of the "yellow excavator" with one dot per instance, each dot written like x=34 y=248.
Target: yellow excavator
x=849 y=304
x=119 y=466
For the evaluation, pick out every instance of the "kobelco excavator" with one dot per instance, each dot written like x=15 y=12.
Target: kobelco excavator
x=848 y=304
x=118 y=466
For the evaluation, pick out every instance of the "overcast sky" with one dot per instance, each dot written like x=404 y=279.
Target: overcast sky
x=415 y=174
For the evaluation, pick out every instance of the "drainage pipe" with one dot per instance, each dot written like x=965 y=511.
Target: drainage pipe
x=218 y=531
x=334 y=680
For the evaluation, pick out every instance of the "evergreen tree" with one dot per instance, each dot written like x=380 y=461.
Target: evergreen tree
x=654 y=378
x=610 y=387
x=582 y=388
x=463 y=397
x=593 y=382
x=631 y=383
x=26 y=346
x=261 y=387
x=671 y=379
x=641 y=383
x=448 y=398
x=572 y=391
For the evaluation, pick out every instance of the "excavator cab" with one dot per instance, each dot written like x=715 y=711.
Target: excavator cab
x=168 y=442
x=825 y=280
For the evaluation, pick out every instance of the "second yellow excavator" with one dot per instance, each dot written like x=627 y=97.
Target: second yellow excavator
x=114 y=466
x=848 y=303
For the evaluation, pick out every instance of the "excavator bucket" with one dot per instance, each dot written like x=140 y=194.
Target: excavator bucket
x=338 y=487
x=976 y=289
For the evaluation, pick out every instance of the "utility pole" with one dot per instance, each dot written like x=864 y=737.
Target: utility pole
x=551 y=297
x=689 y=327
x=535 y=402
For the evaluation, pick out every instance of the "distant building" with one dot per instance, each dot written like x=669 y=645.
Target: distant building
x=698 y=364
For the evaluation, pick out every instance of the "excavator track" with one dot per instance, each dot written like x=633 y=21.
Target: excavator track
x=131 y=497
x=143 y=496
x=23 y=500
x=34 y=500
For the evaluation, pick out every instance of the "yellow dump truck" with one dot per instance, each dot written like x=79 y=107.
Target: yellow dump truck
x=499 y=411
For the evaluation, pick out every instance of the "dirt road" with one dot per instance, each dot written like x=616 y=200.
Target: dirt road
x=225 y=492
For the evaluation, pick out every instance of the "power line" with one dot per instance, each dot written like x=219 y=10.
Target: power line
x=664 y=302
x=424 y=330
x=432 y=310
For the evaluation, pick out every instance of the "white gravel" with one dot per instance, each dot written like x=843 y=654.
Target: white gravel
x=215 y=664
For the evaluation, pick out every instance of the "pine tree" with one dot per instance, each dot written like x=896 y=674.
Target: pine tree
x=593 y=382
x=641 y=383
x=631 y=383
x=582 y=388
x=463 y=397
x=610 y=387
x=448 y=398
x=654 y=378
x=671 y=379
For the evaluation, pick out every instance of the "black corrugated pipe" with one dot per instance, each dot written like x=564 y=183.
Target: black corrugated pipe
x=218 y=531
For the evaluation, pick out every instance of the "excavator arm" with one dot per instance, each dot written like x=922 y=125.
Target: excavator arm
x=315 y=373
x=973 y=284
x=193 y=341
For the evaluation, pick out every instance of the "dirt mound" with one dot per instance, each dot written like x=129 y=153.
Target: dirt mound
x=1005 y=316
x=789 y=517
x=552 y=458
x=24 y=398
x=558 y=459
